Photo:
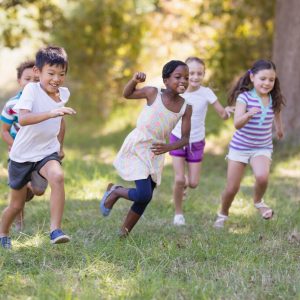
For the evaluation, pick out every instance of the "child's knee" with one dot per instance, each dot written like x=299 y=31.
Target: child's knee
x=232 y=189
x=16 y=207
x=56 y=178
x=38 y=192
x=261 y=179
x=193 y=184
x=180 y=181
x=144 y=196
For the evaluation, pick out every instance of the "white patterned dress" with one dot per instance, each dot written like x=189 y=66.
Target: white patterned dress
x=135 y=159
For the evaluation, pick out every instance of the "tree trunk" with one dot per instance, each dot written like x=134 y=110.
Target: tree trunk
x=286 y=55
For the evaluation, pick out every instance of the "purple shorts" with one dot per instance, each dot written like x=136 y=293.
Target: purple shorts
x=193 y=152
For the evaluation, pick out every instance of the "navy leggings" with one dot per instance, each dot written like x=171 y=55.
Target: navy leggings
x=141 y=195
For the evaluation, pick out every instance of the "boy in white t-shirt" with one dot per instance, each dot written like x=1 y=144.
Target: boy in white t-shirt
x=36 y=146
x=199 y=97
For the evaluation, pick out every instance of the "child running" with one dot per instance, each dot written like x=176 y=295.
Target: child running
x=258 y=103
x=36 y=146
x=141 y=156
x=191 y=155
x=10 y=127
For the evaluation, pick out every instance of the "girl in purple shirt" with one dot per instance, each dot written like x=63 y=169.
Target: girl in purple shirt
x=258 y=104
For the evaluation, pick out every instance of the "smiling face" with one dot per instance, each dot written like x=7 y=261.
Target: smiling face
x=28 y=75
x=263 y=81
x=178 y=80
x=51 y=78
x=196 y=74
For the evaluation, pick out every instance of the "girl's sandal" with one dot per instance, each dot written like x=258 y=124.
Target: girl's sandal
x=267 y=214
x=110 y=188
x=221 y=219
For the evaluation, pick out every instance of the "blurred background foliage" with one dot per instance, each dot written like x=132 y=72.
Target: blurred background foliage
x=107 y=40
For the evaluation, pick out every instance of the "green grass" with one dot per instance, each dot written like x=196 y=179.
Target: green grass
x=250 y=259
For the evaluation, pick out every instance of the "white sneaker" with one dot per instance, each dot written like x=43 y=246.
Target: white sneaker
x=221 y=219
x=179 y=220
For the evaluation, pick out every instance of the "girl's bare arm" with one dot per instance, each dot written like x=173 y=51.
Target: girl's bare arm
x=160 y=148
x=241 y=116
x=131 y=92
x=224 y=113
x=278 y=125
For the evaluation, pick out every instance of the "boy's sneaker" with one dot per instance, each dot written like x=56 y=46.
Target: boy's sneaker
x=179 y=220
x=5 y=242
x=58 y=237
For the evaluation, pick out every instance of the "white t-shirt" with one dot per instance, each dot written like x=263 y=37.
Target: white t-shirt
x=199 y=100
x=35 y=142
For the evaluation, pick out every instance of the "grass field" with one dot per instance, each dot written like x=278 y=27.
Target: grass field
x=249 y=259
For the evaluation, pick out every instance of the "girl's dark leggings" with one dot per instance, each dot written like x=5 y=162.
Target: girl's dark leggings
x=141 y=195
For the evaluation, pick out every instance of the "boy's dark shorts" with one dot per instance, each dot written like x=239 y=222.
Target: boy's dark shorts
x=19 y=174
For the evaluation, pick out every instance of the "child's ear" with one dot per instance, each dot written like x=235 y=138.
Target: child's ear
x=36 y=70
x=251 y=77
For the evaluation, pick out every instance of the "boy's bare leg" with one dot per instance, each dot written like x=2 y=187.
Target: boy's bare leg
x=16 y=204
x=19 y=221
x=53 y=172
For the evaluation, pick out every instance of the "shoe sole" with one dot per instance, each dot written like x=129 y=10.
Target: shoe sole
x=61 y=240
x=104 y=210
x=178 y=224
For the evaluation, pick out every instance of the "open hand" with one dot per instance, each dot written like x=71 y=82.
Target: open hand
x=229 y=110
x=58 y=112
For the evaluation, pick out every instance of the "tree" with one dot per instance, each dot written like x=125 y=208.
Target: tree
x=286 y=57
x=103 y=41
x=242 y=32
x=26 y=19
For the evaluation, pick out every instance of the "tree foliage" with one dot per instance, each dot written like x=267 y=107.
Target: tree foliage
x=103 y=40
x=107 y=39
x=26 y=19
x=242 y=33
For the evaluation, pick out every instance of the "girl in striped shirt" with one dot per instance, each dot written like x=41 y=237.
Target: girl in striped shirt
x=258 y=105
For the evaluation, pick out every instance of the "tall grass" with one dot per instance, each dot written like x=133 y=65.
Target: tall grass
x=249 y=259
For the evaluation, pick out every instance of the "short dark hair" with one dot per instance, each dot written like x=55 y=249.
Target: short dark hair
x=51 y=55
x=28 y=64
x=170 y=66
